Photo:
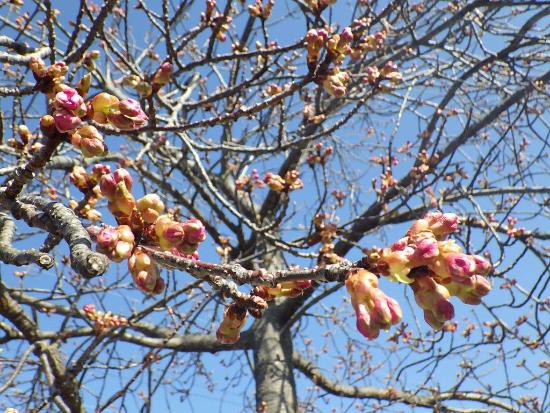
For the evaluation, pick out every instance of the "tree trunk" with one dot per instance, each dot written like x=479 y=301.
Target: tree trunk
x=273 y=372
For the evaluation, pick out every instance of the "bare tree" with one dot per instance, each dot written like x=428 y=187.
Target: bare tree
x=288 y=140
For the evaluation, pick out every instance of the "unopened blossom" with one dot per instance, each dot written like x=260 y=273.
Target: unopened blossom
x=69 y=99
x=470 y=290
x=66 y=121
x=126 y=114
x=397 y=259
x=338 y=45
x=79 y=178
x=437 y=222
x=145 y=272
x=390 y=72
x=116 y=188
x=335 y=82
x=195 y=232
x=103 y=321
x=100 y=105
x=374 y=309
x=47 y=125
x=293 y=288
x=89 y=141
x=233 y=321
x=433 y=298
x=117 y=243
x=150 y=208
x=163 y=74
x=315 y=40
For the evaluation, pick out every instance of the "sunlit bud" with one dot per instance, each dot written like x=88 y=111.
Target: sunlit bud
x=68 y=99
x=129 y=107
x=38 y=67
x=275 y=182
x=107 y=238
x=97 y=173
x=483 y=267
x=372 y=74
x=437 y=222
x=100 y=105
x=89 y=141
x=374 y=309
x=471 y=290
x=397 y=258
x=233 y=321
x=65 y=121
x=83 y=85
x=47 y=125
x=123 y=202
x=150 y=207
x=79 y=178
x=336 y=82
x=57 y=70
x=163 y=74
x=433 y=298
x=144 y=271
x=131 y=80
x=195 y=231
x=425 y=250
x=173 y=234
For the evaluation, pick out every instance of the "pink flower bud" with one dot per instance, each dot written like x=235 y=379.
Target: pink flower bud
x=79 y=178
x=68 y=99
x=129 y=107
x=433 y=298
x=100 y=105
x=460 y=266
x=107 y=238
x=65 y=121
x=471 y=290
x=144 y=271
x=483 y=267
x=150 y=207
x=195 y=231
x=174 y=233
x=438 y=223
x=425 y=250
x=374 y=309
x=89 y=141
x=163 y=74
x=398 y=260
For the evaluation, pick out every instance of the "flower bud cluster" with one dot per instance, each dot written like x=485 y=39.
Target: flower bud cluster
x=218 y=22
x=180 y=238
x=319 y=154
x=374 y=310
x=49 y=78
x=102 y=322
x=389 y=71
x=145 y=272
x=259 y=10
x=370 y=43
x=88 y=185
x=125 y=114
x=117 y=187
x=233 y=321
x=247 y=183
x=89 y=141
x=434 y=267
x=116 y=242
x=290 y=182
x=325 y=234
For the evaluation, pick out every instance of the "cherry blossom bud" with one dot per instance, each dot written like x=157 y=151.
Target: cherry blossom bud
x=89 y=141
x=173 y=234
x=83 y=85
x=195 y=231
x=68 y=99
x=336 y=82
x=233 y=321
x=275 y=182
x=471 y=290
x=129 y=107
x=107 y=238
x=150 y=207
x=163 y=74
x=397 y=258
x=127 y=114
x=110 y=182
x=483 y=267
x=38 y=67
x=98 y=171
x=144 y=271
x=65 y=121
x=47 y=125
x=99 y=107
x=433 y=298
x=438 y=223
x=117 y=243
x=287 y=289
x=425 y=250
x=374 y=309
x=79 y=178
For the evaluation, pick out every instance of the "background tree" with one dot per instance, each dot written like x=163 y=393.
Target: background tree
x=276 y=135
